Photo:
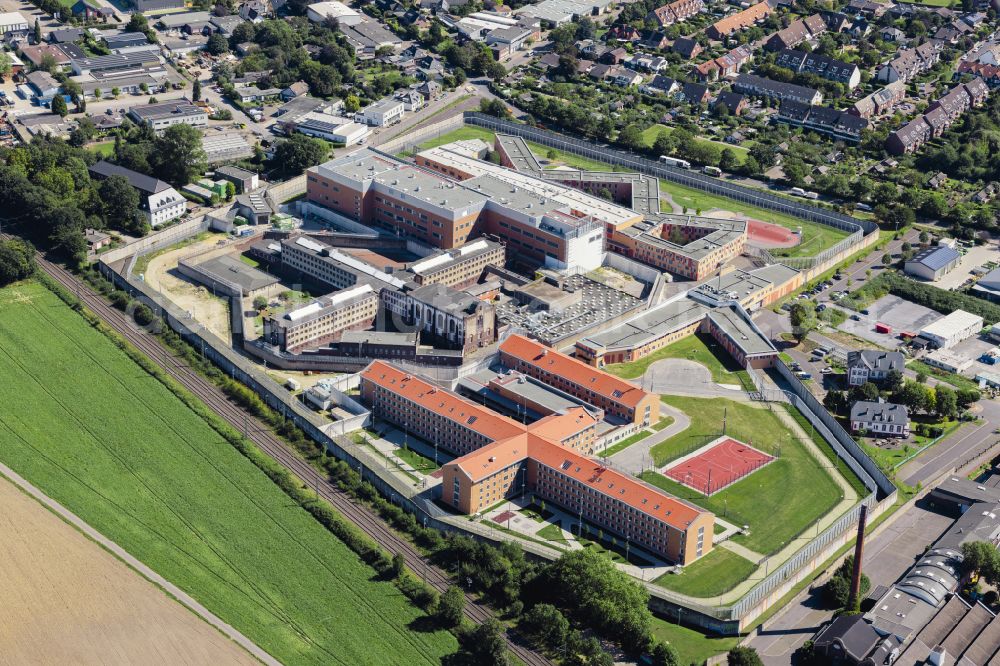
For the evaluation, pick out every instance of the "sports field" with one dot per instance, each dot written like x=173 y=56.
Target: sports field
x=98 y=434
x=717 y=465
x=779 y=501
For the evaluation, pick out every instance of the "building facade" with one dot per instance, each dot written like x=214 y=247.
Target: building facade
x=324 y=320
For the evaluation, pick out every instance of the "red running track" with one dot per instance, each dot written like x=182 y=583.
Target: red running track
x=719 y=466
x=770 y=235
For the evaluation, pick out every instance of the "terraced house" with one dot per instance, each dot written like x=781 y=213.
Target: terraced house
x=675 y=12
x=938 y=117
x=812 y=63
x=739 y=21
x=909 y=63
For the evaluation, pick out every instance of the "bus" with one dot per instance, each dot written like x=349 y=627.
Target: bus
x=674 y=162
x=712 y=171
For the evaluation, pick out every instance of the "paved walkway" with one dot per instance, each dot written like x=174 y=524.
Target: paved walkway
x=637 y=457
x=138 y=566
x=742 y=551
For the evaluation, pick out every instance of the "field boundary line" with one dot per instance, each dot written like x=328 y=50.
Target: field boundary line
x=148 y=574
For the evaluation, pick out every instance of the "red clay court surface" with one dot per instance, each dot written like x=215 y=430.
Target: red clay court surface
x=717 y=466
x=503 y=517
x=765 y=234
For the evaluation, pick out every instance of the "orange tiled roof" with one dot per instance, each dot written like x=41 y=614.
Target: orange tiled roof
x=559 y=364
x=634 y=493
x=559 y=427
x=475 y=417
x=492 y=458
x=742 y=19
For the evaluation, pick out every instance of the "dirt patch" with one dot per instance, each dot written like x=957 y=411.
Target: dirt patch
x=68 y=601
x=210 y=310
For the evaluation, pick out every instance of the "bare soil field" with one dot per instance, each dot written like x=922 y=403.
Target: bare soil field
x=68 y=601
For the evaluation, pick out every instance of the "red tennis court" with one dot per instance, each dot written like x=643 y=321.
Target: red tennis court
x=717 y=465
x=767 y=235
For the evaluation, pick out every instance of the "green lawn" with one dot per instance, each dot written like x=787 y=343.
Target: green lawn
x=779 y=501
x=624 y=444
x=714 y=574
x=958 y=381
x=650 y=133
x=815 y=237
x=103 y=149
x=107 y=440
x=700 y=348
x=611 y=546
x=418 y=461
x=693 y=646
x=461 y=134
x=552 y=532
x=665 y=422
x=253 y=263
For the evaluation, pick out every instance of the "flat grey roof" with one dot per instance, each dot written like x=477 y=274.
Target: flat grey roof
x=650 y=325
x=230 y=269
x=380 y=337
x=741 y=331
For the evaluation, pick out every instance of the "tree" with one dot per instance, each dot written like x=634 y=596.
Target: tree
x=945 y=402
x=59 y=106
x=743 y=656
x=664 y=654
x=631 y=137
x=259 y=303
x=230 y=191
x=177 y=155
x=450 y=607
x=764 y=155
x=17 y=260
x=143 y=315
x=886 y=259
x=894 y=380
x=196 y=91
x=352 y=103
x=835 y=401
x=217 y=44
x=121 y=205
x=486 y=644
x=295 y=155
x=867 y=392
x=546 y=625
x=38 y=32
x=664 y=143
x=921 y=377
x=803 y=319
x=982 y=559
x=398 y=560
x=924 y=237
x=728 y=161
x=838 y=589
x=5 y=65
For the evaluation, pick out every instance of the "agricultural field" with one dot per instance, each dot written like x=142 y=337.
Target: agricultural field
x=762 y=500
x=109 y=442
x=60 y=587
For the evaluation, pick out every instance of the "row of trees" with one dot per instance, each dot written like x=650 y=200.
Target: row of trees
x=943 y=401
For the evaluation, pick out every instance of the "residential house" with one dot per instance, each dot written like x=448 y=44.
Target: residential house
x=615 y=56
x=909 y=63
x=627 y=77
x=938 y=117
x=675 y=12
x=758 y=86
x=157 y=200
x=687 y=47
x=836 y=21
x=872 y=365
x=431 y=90
x=892 y=34
x=382 y=113
x=694 y=93
x=411 y=99
x=44 y=86
x=733 y=102
x=880 y=102
x=739 y=21
x=254 y=11
x=66 y=35
x=37 y=54
x=297 y=89
x=990 y=74
x=796 y=33
x=837 y=124
x=880 y=418
x=820 y=65
x=661 y=85
x=937 y=180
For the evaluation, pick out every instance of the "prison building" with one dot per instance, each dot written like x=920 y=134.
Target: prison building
x=324 y=320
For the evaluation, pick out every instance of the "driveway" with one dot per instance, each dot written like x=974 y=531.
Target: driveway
x=637 y=458
x=679 y=376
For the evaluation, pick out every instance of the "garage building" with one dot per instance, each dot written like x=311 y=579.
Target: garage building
x=952 y=329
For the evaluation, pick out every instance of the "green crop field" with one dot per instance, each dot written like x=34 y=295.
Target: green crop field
x=779 y=501
x=716 y=573
x=92 y=429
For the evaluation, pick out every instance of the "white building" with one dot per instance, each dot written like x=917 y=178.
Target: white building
x=163 y=115
x=158 y=201
x=335 y=129
x=344 y=15
x=947 y=361
x=952 y=329
x=932 y=263
x=383 y=112
x=13 y=23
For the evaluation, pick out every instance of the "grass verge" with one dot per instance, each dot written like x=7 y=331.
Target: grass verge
x=714 y=574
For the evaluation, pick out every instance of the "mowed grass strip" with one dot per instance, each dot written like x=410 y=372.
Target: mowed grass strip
x=778 y=501
x=714 y=574
x=93 y=430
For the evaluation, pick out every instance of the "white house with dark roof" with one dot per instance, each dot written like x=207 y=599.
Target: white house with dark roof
x=872 y=365
x=880 y=418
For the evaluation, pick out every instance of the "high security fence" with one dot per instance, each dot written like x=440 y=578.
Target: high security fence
x=857 y=229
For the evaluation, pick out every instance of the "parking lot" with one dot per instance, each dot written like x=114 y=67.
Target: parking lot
x=900 y=315
x=974 y=258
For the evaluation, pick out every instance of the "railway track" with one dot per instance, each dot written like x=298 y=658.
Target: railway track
x=260 y=433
